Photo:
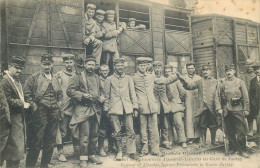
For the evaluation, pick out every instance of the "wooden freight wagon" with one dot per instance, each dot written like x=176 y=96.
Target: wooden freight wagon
x=221 y=40
x=31 y=28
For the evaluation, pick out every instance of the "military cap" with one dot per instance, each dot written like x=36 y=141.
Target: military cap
x=206 y=66
x=149 y=60
x=228 y=67
x=117 y=60
x=141 y=60
x=110 y=12
x=168 y=67
x=80 y=60
x=131 y=19
x=68 y=57
x=91 y=6
x=249 y=62
x=90 y=58
x=190 y=63
x=18 y=62
x=100 y=12
x=157 y=63
x=47 y=58
x=256 y=65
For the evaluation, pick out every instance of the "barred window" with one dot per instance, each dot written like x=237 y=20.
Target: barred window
x=176 y=20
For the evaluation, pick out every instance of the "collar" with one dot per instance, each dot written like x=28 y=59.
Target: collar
x=231 y=79
x=191 y=76
x=89 y=74
x=207 y=78
x=140 y=74
x=102 y=78
x=119 y=76
x=11 y=77
x=68 y=73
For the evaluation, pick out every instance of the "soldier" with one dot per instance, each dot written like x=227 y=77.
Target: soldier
x=233 y=102
x=64 y=76
x=247 y=77
x=100 y=15
x=44 y=94
x=13 y=124
x=86 y=91
x=79 y=63
x=164 y=107
x=206 y=115
x=175 y=94
x=90 y=33
x=121 y=103
x=105 y=128
x=110 y=50
x=191 y=105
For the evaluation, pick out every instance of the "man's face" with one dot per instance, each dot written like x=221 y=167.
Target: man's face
x=191 y=69
x=104 y=70
x=131 y=24
x=206 y=72
x=168 y=72
x=110 y=18
x=142 y=68
x=257 y=71
x=90 y=13
x=15 y=71
x=249 y=69
x=119 y=68
x=230 y=73
x=47 y=67
x=157 y=70
x=100 y=18
x=69 y=65
x=90 y=66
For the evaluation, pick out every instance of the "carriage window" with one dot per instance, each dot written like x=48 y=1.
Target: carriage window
x=140 y=13
x=176 y=20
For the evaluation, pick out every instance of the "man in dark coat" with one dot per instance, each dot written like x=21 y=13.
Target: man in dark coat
x=86 y=91
x=254 y=97
x=13 y=124
x=232 y=100
x=44 y=94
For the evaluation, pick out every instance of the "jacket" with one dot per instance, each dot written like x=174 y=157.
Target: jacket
x=110 y=36
x=254 y=97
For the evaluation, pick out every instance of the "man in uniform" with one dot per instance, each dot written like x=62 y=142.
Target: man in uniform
x=247 y=77
x=164 y=107
x=90 y=33
x=105 y=128
x=100 y=15
x=233 y=102
x=121 y=102
x=86 y=91
x=206 y=114
x=44 y=94
x=191 y=105
x=175 y=93
x=64 y=76
x=13 y=123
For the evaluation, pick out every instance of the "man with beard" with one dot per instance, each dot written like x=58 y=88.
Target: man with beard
x=44 y=94
x=247 y=77
x=86 y=91
x=233 y=102
x=13 y=142
x=191 y=105
x=206 y=114
x=64 y=76
x=175 y=94
x=90 y=33
x=105 y=128
x=164 y=107
x=121 y=103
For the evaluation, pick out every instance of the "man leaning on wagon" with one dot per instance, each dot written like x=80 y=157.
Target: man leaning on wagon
x=44 y=94
x=13 y=123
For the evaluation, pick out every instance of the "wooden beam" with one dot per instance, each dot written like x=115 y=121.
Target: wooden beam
x=49 y=25
x=44 y=46
x=235 y=47
x=214 y=19
x=4 y=35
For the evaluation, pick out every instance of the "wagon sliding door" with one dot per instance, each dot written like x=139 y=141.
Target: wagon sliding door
x=36 y=27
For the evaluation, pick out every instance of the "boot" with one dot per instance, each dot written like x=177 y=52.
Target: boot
x=213 y=137
x=61 y=158
x=101 y=151
x=83 y=164
x=119 y=156
x=204 y=136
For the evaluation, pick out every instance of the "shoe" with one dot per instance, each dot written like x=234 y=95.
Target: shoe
x=167 y=146
x=184 y=145
x=214 y=143
x=62 y=158
x=134 y=156
x=231 y=151
x=143 y=153
x=95 y=160
x=47 y=166
x=119 y=156
x=158 y=154
x=102 y=153
x=244 y=154
x=83 y=164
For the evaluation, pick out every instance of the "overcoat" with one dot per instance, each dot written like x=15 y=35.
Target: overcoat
x=254 y=98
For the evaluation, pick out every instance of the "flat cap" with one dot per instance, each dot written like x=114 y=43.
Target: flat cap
x=141 y=60
x=90 y=58
x=18 y=62
x=157 y=63
x=131 y=19
x=149 y=59
x=168 y=67
x=91 y=6
x=101 y=12
x=47 y=58
x=206 y=66
x=249 y=62
x=256 y=65
x=228 y=67
x=68 y=57
x=110 y=12
x=119 y=60
x=80 y=60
